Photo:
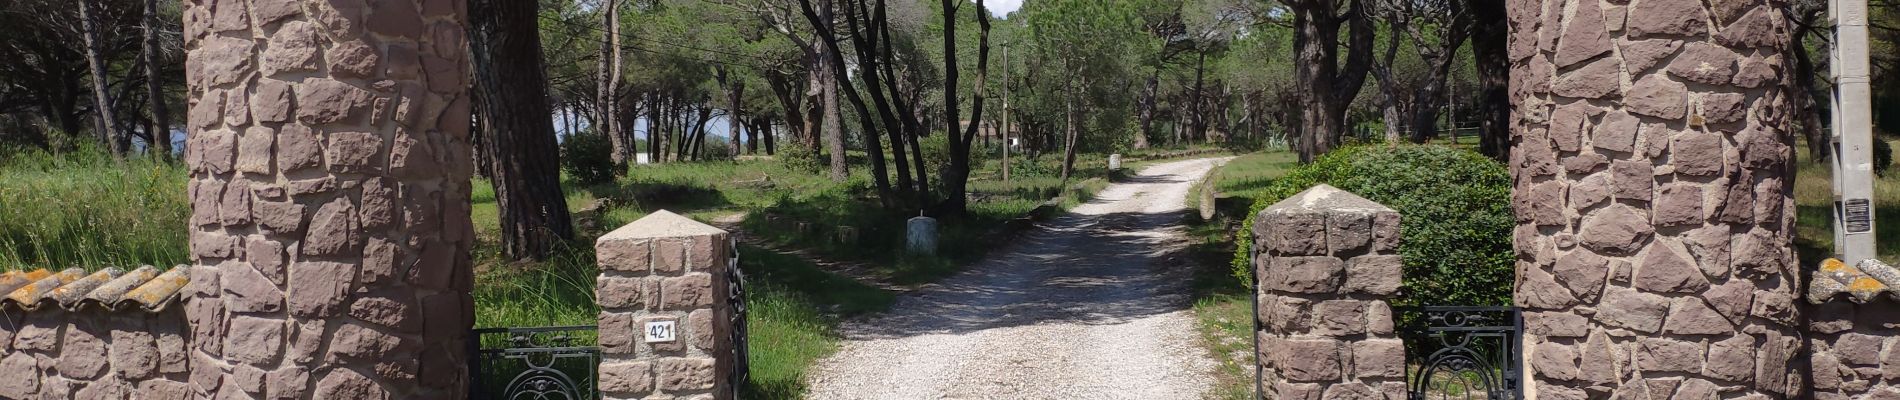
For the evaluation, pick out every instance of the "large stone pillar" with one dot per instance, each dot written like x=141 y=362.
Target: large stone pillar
x=1650 y=152
x=329 y=186
x=1327 y=261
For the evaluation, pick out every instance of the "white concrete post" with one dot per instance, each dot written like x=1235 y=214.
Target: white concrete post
x=1853 y=134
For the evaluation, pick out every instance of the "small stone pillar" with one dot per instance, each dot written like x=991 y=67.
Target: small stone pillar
x=666 y=319
x=330 y=233
x=1114 y=162
x=920 y=235
x=1325 y=262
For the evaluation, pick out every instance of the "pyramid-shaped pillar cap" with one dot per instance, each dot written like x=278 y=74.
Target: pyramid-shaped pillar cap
x=1324 y=198
x=662 y=224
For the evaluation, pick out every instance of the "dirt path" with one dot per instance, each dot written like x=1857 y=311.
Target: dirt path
x=1093 y=305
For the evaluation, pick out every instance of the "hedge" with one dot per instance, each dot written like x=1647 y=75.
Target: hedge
x=1455 y=212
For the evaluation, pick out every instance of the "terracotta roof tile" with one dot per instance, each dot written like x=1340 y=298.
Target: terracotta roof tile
x=111 y=288
x=1862 y=283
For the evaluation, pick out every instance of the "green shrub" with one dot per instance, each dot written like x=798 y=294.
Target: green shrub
x=1455 y=212
x=588 y=158
x=800 y=159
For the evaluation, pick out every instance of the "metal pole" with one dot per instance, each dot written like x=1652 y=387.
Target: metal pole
x=1005 y=133
x=1853 y=133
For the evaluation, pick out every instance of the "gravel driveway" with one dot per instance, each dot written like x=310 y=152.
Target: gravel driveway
x=1091 y=305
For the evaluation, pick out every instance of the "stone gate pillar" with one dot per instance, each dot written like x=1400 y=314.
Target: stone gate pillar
x=1650 y=153
x=666 y=313
x=1326 y=261
x=330 y=168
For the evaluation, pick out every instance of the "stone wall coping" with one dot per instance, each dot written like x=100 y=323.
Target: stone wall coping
x=145 y=288
x=1326 y=198
x=661 y=224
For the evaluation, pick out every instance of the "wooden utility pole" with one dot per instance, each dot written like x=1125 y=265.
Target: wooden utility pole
x=1853 y=134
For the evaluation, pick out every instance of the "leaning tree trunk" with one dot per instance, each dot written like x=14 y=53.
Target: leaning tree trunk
x=95 y=59
x=506 y=45
x=161 y=131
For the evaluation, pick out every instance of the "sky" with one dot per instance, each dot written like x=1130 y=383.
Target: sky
x=1003 y=7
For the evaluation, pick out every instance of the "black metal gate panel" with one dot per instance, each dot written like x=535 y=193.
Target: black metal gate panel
x=735 y=299
x=1462 y=352
x=545 y=363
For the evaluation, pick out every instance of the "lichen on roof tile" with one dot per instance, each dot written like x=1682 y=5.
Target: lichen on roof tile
x=160 y=291
x=74 y=289
x=28 y=296
x=112 y=291
x=1862 y=283
x=71 y=293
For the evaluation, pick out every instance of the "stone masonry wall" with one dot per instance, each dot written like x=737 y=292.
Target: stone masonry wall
x=330 y=169
x=665 y=267
x=92 y=354
x=1855 y=349
x=1326 y=261
x=1650 y=153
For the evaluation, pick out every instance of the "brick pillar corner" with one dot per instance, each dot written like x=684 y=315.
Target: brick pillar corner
x=666 y=269
x=1326 y=263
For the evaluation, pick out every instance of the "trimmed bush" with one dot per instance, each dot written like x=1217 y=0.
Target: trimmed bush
x=588 y=158
x=1456 y=217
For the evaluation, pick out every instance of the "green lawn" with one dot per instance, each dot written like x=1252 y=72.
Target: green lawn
x=1814 y=202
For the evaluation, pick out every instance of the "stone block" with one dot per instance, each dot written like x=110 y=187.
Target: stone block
x=1310 y=360
x=1662 y=354
x=1339 y=317
x=699 y=331
x=1633 y=310
x=627 y=378
x=1294 y=234
x=1348 y=233
x=1374 y=274
x=1312 y=274
x=682 y=374
x=1692 y=316
x=254 y=340
x=624 y=292
x=1554 y=361
x=687 y=292
x=617 y=333
x=133 y=354
x=1378 y=358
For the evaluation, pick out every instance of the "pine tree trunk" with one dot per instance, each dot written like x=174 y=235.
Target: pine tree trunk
x=161 y=130
x=95 y=59
x=506 y=46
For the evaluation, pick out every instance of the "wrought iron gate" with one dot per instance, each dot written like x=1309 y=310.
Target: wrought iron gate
x=735 y=298
x=552 y=363
x=1462 y=352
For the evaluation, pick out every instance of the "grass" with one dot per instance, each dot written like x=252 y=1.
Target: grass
x=1814 y=212
x=1223 y=309
x=85 y=210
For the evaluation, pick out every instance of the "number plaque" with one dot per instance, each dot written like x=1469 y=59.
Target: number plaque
x=660 y=331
